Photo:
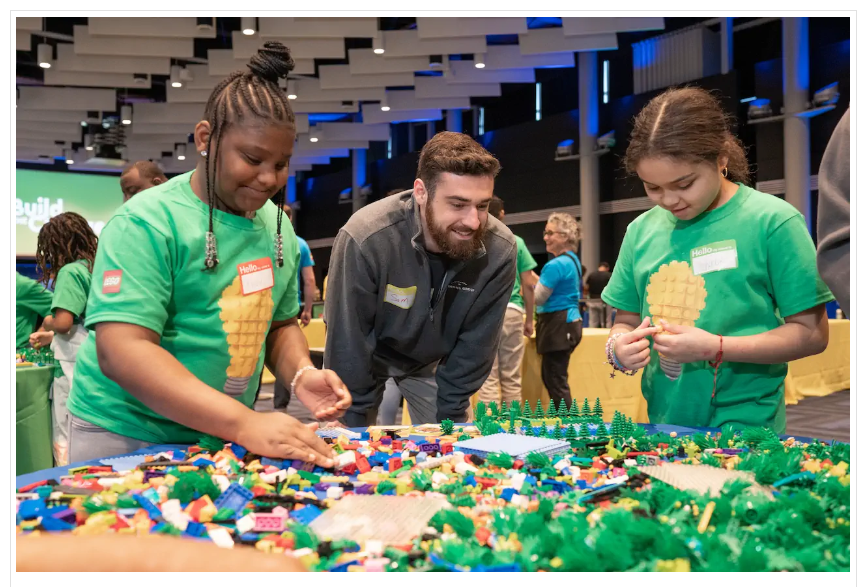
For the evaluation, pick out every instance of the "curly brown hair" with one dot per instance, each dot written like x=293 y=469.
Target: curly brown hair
x=687 y=124
x=457 y=153
x=64 y=239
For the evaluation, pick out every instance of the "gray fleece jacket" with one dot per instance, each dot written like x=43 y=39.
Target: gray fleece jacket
x=382 y=320
x=833 y=214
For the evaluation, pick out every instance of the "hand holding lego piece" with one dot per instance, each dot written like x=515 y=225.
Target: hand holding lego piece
x=686 y=344
x=632 y=348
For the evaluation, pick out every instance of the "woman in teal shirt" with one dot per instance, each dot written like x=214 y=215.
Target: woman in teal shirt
x=560 y=326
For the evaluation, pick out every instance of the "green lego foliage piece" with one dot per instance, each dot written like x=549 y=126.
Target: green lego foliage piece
x=543 y=431
x=304 y=537
x=539 y=410
x=422 y=479
x=464 y=436
x=527 y=410
x=211 y=443
x=480 y=410
x=571 y=433
x=503 y=408
x=224 y=514
x=602 y=431
x=586 y=409
x=501 y=459
x=512 y=429
x=574 y=412
x=563 y=408
x=447 y=427
x=464 y=500
x=584 y=430
x=494 y=409
x=384 y=485
x=552 y=412
x=537 y=460
x=515 y=405
x=557 y=433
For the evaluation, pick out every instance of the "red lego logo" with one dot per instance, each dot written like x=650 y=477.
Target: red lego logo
x=111 y=281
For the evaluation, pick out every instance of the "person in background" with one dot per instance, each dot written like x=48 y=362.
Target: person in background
x=560 y=325
x=140 y=176
x=763 y=303
x=195 y=290
x=32 y=304
x=600 y=315
x=65 y=251
x=519 y=323
x=305 y=296
x=418 y=286
x=833 y=214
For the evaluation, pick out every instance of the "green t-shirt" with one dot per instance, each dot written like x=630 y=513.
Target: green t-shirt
x=759 y=266
x=32 y=300
x=149 y=272
x=525 y=262
x=71 y=289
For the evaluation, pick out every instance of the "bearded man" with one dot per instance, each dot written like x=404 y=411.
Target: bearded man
x=418 y=287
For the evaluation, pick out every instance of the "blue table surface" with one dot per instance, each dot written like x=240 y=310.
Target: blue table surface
x=58 y=472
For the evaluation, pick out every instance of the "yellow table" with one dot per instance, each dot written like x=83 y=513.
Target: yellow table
x=589 y=375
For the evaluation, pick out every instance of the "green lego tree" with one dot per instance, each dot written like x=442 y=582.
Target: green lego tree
x=512 y=429
x=563 y=409
x=503 y=408
x=599 y=410
x=574 y=412
x=480 y=410
x=494 y=410
x=557 y=433
x=543 y=431
x=515 y=404
x=587 y=410
x=571 y=433
x=602 y=431
x=552 y=412
x=584 y=431
x=539 y=410
x=447 y=427
x=527 y=410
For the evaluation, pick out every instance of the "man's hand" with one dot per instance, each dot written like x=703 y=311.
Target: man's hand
x=305 y=317
x=528 y=327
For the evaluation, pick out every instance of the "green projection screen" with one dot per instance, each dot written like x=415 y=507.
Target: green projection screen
x=39 y=195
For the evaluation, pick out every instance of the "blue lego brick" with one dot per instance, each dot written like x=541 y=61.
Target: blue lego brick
x=249 y=536
x=378 y=458
x=234 y=498
x=343 y=568
x=470 y=480
x=508 y=493
x=305 y=515
x=31 y=509
x=202 y=462
x=195 y=529
x=151 y=508
x=267 y=462
x=44 y=491
x=52 y=524
x=238 y=451
x=512 y=568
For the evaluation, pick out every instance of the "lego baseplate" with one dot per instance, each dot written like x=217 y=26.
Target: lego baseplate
x=515 y=445
x=336 y=432
x=701 y=478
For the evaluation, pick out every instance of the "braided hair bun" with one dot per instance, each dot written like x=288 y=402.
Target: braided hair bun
x=271 y=62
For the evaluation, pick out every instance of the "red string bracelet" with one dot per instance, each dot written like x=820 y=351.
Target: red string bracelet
x=719 y=358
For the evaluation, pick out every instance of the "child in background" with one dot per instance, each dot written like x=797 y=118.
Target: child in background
x=65 y=250
x=32 y=302
x=196 y=288
x=765 y=302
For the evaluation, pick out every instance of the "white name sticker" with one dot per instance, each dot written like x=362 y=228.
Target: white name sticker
x=255 y=276
x=401 y=297
x=714 y=257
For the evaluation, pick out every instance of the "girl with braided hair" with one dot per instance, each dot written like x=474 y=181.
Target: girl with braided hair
x=196 y=290
x=65 y=251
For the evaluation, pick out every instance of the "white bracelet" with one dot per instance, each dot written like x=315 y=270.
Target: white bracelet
x=299 y=373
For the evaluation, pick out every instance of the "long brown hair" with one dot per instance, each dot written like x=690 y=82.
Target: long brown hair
x=64 y=239
x=687 y=124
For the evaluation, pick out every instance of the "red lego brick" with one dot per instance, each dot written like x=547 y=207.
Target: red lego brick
x=447 y=447
x=362 y=464
x=394 y=464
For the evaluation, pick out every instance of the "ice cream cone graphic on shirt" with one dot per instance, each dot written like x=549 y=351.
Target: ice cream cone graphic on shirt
x=676 y=295
x=244 y=320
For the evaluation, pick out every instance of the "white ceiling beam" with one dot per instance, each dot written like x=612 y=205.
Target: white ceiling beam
x=438 y=27
x=22 y=41
x=408 y=44
x=334 y=77
x=54 y=98
x=408 y=100
x=28 y=23
x=221 y=62
x=321 y=28
x=245 y=46
x=465 y=72
x=43 y=116
x=86 y=44
x=310 y=90
x=372 y=114
x=56 y=77
x=365 y=62
x=583 y=25
x=553 y=40
x=188 y=95
x=68 y=60
x=509 y=57
x=437 y=87
x=163 y=113
x=349 y=131
x=142 y=26
x=323 y=107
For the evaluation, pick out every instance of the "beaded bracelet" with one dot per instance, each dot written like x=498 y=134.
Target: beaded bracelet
x=299 y=373
x=613 y=361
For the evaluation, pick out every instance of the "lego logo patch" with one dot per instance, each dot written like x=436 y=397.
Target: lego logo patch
x=111 y=281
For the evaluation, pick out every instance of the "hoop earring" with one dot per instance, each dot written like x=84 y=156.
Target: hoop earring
x=724 y=172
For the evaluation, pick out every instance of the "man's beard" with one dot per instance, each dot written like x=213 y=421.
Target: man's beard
x=459 y=250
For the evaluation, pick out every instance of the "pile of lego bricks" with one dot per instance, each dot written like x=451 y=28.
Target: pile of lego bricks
x=589 y=508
